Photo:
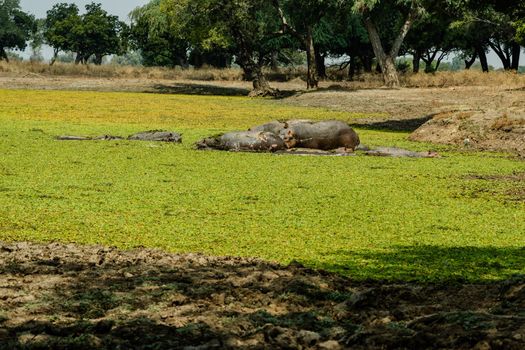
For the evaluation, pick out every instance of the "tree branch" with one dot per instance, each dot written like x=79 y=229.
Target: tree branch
x=286 y=26
x=412 y=15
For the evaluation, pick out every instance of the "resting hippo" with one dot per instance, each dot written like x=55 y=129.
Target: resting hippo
x=254 y=141
x=157 y=135
x=323 y=135
x=274 y=127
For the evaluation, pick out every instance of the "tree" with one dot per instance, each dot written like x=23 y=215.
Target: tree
x=150 y=33
x=372 y=11
x=95 y=33
x=58 y=28
x=246 y=27
x=99 y=34
x=431 y=39
x=304 y=20
x=16 y=27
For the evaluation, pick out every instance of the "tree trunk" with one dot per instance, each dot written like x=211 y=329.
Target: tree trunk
x=379 y=70
x=416 y=61
x=98 y=60
x=253 y=72
x=78 y=58
x=483 y=59
x=275 y=61
x=471 y=61
x=320 y=62
x=516 y=52
x=261 y=86
x=55 y=56
x=3 y=55
x=312 y=80
x=352 y=68
x=386 y=63
x=503 y=56
x=367 y=64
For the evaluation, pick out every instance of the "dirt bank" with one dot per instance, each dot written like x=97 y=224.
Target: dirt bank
x=87 y=297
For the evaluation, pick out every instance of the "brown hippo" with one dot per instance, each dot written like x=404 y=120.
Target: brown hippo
x=323 y=135
x=254 y=141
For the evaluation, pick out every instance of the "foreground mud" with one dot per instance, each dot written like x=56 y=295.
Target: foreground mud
x=78 y=297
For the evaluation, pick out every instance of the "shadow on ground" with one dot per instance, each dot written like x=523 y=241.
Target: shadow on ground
x=212 y=90
x=76 y=297
x=200 y=89
x=403 y=125
x=431 y=263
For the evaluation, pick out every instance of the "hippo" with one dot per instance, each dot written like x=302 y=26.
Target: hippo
x=323 y=135
x=275 y=127
x=254 y=141
x=157 y=135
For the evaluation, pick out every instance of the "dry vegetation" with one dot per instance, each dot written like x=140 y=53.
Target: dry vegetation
x=409 y=80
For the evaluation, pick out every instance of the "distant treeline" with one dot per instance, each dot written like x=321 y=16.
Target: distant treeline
x=363 y=35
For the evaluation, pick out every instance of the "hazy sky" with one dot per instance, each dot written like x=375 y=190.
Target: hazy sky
x=115 y=7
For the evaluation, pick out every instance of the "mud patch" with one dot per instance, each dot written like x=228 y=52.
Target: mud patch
x=88 y=297
x=495 y=130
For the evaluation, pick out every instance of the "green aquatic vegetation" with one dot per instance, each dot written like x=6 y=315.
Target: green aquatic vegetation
x=365 y=217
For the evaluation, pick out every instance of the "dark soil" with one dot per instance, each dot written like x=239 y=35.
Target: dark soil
x=59 y=296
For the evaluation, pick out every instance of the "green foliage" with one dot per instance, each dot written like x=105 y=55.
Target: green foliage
x=365 y=217
x=520 y=32
x=151 y=34
x=99 y=34
x=95 y=33
x=16 y=27
x=59 y=24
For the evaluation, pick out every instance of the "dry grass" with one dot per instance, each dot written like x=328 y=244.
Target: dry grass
x=464 y=78
x=363 y=81
x=114 y=71
x=504 y=123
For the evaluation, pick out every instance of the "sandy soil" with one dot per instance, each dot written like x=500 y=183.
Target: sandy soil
x=88 y=297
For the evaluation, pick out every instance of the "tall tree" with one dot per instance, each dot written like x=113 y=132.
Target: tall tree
x=93 y=34
x=305 y=20
x=246 y=27
x=58 y=28
x=16 y=27
x=99 y=34
x=372 y=11
x=151 y=34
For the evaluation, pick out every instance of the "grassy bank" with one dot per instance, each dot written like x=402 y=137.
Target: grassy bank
x=424 y=219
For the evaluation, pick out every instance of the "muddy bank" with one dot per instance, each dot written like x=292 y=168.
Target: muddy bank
x=495 y=130
x=88 y=297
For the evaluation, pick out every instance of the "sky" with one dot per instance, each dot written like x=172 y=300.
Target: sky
x=116 y=7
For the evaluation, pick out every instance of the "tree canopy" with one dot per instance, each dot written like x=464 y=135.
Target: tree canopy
x=16 y=27
x=93 y=34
